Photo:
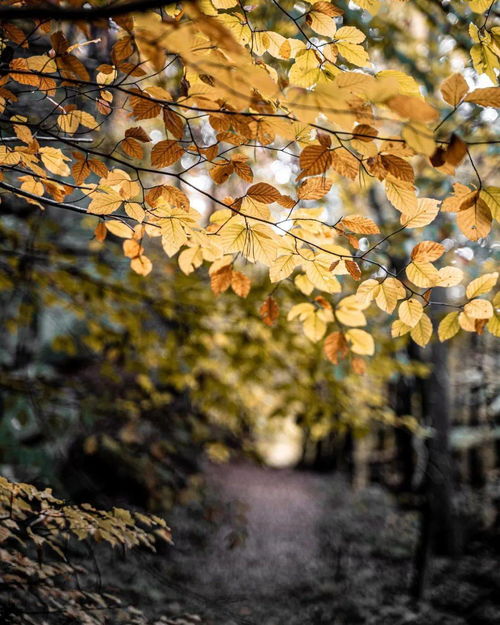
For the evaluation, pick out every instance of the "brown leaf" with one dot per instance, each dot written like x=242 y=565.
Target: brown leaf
x=132 y=147
x=173 y=123
x=358 y=365
x=221 y=279
x=264 y=193
x=398 y=167
x=314 y=159
x=269 y=311
x=100 y=232
x=221 y=171
x=411 y=107
x=335 y=347
x=453 y=89
x=166 y=153
x=353 y=268
x=138 y=133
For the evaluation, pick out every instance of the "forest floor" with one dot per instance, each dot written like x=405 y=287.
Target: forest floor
x=283 y=547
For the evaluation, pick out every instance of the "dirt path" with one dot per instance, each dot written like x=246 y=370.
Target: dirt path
x=276 y=546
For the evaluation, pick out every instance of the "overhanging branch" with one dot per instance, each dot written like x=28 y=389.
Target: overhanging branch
x=111 y=10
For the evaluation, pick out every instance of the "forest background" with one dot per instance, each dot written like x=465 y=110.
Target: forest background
x=247 y=286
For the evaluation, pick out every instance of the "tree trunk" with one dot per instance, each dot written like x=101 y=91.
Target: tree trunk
x=438 y=522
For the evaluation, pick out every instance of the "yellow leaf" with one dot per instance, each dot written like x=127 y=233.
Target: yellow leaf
x=190 y=259
x=321 y=23
x=135 y=211
x=283 y=265
x=353 y=53
x=348 y=312
x=105 y=203
x=372 y=6
x=314 y=327
x=119 y=229
x=399 y=328
x=422 y=274
x=420 y=138
x=305 y=71
x=466 y=323
x=53 y=159
x=479 y=309
x=350 y=34
x=493 y=325
x=390 y=291
x=481 y=285
x=361 y=342
x=141 y=265
x=424 y=214
x=304 y=285
x=449 y=276
x=401 y=194
x=491 y=197
x=410 y=312
x=475 y=221
x=421 y=333
x=448 y=326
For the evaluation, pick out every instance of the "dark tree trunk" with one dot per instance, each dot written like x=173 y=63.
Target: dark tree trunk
x=438 y=521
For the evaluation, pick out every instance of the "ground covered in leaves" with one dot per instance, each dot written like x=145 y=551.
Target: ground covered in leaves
x=271 y=547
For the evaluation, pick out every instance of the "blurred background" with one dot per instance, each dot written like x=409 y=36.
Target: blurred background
x=298 y=491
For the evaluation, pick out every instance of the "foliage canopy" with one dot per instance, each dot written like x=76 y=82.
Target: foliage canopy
x=273 y=134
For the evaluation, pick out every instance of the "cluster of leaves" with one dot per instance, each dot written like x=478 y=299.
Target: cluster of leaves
x=224 y=92
x=38 y=579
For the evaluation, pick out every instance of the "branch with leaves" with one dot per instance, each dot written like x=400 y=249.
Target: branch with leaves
x=193 y=104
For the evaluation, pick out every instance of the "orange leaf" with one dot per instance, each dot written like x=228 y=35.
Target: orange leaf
x=269 y=311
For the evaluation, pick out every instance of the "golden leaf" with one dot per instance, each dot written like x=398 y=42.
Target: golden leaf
x=448 y=326
x=478 y=309
x=449 y=276
x=240 y=283
x=481 y=285
x=422 y=274
x=424 y=214
x=410 y=312
x=360 y=342
x=421 y=332
x=453 y=89
x=314 y=188
x=475 y=221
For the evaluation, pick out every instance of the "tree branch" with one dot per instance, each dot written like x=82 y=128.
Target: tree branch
x=112 y=10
